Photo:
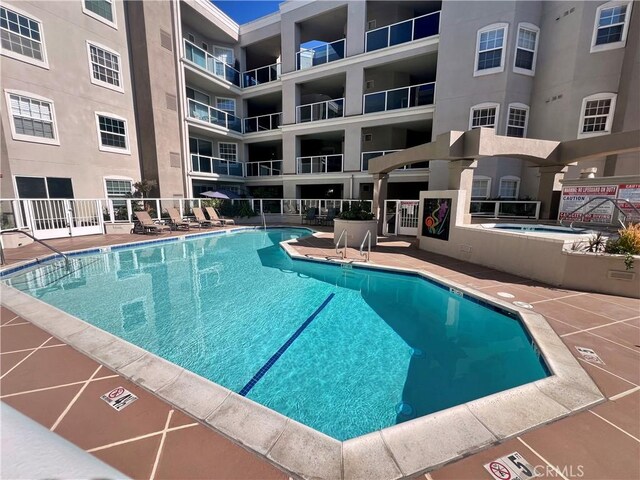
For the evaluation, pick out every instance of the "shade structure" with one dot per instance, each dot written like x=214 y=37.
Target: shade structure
x=223 y=194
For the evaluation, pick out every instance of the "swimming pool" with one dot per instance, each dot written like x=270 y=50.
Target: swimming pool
x=344 y=351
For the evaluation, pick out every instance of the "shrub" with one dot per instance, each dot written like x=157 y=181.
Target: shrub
x=627 y=243
x=357 y=211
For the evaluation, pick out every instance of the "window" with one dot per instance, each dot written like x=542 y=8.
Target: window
x=611 y=26
x=102 y=10
x=32 y=118
x=509 y=188
x=118 y=189
x=226 y=105
x=205 y=47
x=517 y=120
x=490 y=49
x=22 y=38
x=112 y=133
x=105 y=67
x=44 y=187
x=225 y=54
x=526 y=49
x=191 y=38
x=484 y=115
x=198 y=96
x=597 y=114
x=481 y=187
x=228 y=151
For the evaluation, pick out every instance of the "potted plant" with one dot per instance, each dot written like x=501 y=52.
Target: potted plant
x=357 y=220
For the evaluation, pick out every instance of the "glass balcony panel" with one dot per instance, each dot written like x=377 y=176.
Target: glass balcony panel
x=196 y=56
x=304 y=113
x=400 y=33
x=205 y=165
x=218 y=117
x=318 y=165
x=250 y=125
x=377 y=39
x=426 y=26
x=335 y=51
x=195 y=163
x=235 y=169
x=398 y=99
x=304 y=165
x=320 y=55
x=423 y=94
x=234 y=123
x=334 y=163
x=335 y=108
x=276 y=167
x=374 y=102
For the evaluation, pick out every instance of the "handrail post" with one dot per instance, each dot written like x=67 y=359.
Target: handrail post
x=537 y=210
x=496 y=210
x=129 y=209
x=343 y=255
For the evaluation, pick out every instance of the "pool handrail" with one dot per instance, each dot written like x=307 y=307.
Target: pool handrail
x=343 y=254
x=53 y=249
x=368 y=254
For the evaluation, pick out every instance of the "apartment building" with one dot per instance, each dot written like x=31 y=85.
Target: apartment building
x=294 y=104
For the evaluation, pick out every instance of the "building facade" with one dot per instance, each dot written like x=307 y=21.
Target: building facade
x=294 y=104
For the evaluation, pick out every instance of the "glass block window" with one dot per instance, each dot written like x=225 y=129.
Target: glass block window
x=509 y=187
x=526 y=48
x=102 y=8
x=113 y=132
x=228 y=151
x=21 y=34
x=611 y=24
x=105 y=66
x=517 y=122
x=480 y=188
x=31 y=117
x=596 y=115
x=483 y=117
x=490 y=48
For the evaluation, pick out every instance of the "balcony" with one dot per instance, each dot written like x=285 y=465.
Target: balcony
x=402 y=32
x=319 y=164
x=312 y=112
x=205 y=113
x=329 y=52
x=270 y=168
x=262 y=123
x=404 y=97
x=366 y=156
x=205 y=61
x=258 y=76
x=215 y=166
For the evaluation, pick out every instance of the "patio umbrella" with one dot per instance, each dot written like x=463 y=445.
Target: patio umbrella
x=224 y=194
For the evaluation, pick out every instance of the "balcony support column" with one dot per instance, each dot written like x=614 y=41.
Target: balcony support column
x=461 y=178
x=379 y=196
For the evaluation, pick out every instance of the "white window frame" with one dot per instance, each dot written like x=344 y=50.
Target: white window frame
x=226 y=98
x=509 y=178
x=195 y=90
x=100 y=83
x=228 y=143
x=112 y=24
x=46 y=185
x=28 y=138
x=612 y=110
x=106 y=148
x=220 y=47
x=520 y=106
x=481 y=106
x=488 y=190
x=489 y=71
x=44 y=63
x=116 y=178
x=532 y=28
x=623 y=41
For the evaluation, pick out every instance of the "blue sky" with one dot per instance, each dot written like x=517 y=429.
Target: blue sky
x=245 y=11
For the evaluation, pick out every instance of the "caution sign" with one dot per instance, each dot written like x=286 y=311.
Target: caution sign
x=589 y=355
x=119 y=398
x=511 y=467
x=574 y=197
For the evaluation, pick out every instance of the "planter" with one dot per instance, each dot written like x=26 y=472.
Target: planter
x=112 y=228
x=356 y=231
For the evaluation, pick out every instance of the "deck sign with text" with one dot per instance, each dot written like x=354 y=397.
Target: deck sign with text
x=575 y=196
x=631 y=194
x=511 y=467
x=119 y=398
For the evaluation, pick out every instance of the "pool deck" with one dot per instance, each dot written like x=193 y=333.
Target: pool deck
x=60 y=388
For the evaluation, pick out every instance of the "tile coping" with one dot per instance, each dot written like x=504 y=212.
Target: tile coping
x=402 y=450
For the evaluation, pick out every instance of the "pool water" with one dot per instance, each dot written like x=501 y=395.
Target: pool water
x=355 y=350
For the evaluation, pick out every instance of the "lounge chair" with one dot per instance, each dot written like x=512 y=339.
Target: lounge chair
x=311 y=216
x=202 y=220
x=148 y=224
x=178 y=222
x=331 y=215
x=213 y=215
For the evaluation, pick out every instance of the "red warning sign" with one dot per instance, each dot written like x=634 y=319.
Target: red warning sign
x=116 y=392
x=500 y=471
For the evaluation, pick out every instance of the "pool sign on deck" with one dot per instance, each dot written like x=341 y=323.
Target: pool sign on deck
x=119 y=398
x=511 y=467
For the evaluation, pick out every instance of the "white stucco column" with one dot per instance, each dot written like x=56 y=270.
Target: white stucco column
x=545 y=188
x=461 y=178
x=379 y=196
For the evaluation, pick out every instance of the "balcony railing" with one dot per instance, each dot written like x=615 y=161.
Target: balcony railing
x=319 y=164
x=505 y=208
x=213 y=165
x=262 y=123
x=320 y=110
x=211 y=64
x=329 y=52
x=269 y=168
x=404 y=97
x=366 y=156
x=206 y=113
x=406 y=31
x=258 y=76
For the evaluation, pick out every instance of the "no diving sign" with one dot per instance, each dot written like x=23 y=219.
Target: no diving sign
x=511 y=467
x=119 y=398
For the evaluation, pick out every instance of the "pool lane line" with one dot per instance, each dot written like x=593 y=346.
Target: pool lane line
x=274 y=358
